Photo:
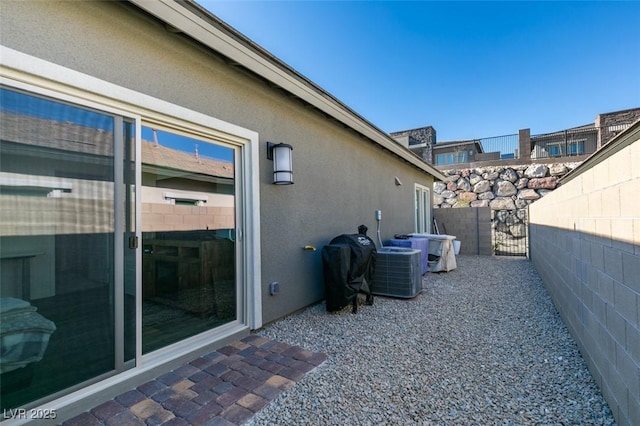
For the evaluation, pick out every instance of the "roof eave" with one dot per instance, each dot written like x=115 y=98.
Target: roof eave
x=213 y=33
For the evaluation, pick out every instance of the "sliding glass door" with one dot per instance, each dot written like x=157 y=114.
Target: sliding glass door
x=188 y=237
x=81 y=297
x=67 y=246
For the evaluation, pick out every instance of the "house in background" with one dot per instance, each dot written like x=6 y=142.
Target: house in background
x=611 y=124
x=565 y=143
x=456 y=152
x=577 y=141
x=583 y=140
x=420 y=141
x=138 y=212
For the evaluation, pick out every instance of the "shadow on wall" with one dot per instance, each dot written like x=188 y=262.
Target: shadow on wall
x=593 y=281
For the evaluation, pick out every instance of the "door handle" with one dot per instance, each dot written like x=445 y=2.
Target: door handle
x=133 y=242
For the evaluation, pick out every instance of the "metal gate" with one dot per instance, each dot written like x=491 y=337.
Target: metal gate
x=509 y=232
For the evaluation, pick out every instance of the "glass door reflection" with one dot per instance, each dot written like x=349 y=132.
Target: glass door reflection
x=188 y=237
x=60 y=221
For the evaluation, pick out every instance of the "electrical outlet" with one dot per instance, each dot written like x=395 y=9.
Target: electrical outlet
x=378 y=215
x=274 y=288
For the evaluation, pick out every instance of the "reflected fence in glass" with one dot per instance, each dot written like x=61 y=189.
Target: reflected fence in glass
x=57 y=237
x=188 y=238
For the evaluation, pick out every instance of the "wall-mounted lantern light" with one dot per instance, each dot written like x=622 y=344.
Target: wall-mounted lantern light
x=280 y=153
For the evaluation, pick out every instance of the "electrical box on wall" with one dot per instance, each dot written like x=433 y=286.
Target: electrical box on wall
x=274 y=288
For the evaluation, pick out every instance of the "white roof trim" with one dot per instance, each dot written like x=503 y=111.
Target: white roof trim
x=179 y=17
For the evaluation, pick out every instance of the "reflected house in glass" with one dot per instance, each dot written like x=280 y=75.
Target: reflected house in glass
x=57 y=227
x=188 y=236
x=55 y=252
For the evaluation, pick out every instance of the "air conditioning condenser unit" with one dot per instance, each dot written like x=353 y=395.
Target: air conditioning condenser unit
x=397 y=272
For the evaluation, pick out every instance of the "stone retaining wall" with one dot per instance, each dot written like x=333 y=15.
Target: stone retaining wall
x=506 y=190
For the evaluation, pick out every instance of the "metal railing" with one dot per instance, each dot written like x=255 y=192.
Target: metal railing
x=506 y=146
x=483 y=149
x=566 y=143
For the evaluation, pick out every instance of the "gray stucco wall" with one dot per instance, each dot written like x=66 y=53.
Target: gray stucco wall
x=585 y=244
x=340 y=177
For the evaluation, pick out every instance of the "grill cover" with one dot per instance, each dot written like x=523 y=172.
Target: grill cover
x=348 y=262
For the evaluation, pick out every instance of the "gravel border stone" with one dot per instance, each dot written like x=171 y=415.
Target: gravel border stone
x=482 y=344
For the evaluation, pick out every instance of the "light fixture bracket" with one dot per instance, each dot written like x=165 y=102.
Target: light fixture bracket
x=270 y=146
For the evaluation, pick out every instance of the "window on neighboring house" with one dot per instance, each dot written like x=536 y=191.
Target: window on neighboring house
x=452 y=158
x=554 y=150
x=575 y=148
x=618 y=127
x=572 y=148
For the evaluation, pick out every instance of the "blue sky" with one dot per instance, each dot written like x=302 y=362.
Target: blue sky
x=469 y=69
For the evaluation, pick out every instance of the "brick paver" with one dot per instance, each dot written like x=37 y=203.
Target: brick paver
x=225 y=387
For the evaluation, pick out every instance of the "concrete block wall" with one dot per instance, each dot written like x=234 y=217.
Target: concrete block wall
x=585 y=244
x=471 y=226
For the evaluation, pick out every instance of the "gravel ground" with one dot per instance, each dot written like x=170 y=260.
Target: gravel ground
x=482 y=344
